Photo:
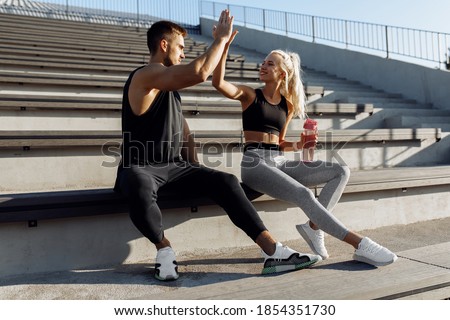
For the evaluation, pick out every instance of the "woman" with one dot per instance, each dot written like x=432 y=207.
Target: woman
x=266 y=113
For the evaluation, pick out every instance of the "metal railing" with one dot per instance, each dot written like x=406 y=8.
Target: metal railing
x=130 y=12
x=389 y=41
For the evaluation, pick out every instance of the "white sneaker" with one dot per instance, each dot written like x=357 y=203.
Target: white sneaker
x=314 y=238
x=286 y=259
x=372 y=253
x=166 y=267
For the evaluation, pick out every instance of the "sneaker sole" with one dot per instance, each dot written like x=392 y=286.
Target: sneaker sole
x=372 y=262
x=309 y=242
x=169 y=278
x=288 y=267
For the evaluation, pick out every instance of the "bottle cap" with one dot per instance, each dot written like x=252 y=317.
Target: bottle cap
x=310 y=124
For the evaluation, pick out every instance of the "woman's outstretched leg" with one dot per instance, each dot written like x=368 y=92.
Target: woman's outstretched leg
x=274 y=179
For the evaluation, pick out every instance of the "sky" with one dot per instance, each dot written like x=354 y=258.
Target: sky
x=432 y=15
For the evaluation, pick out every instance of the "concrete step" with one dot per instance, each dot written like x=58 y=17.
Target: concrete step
x=412 y=273
x=430 y=120
x=217 y=115
x=410 y=104
x=421 y=272
x=443 y=126
x=362 y=96
x=334 y=84
x=57 y=169
x=416 y=270
x=328 y=78
x=380 y=116
x=69 y=119
x=377 y=100
x=347 y=95
x=314 y=74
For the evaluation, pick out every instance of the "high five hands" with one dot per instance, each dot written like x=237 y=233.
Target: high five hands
x=224 y=28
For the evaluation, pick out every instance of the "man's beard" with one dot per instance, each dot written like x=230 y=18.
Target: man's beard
x=167 y=62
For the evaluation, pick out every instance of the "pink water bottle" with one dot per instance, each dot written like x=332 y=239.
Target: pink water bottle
x=308 y=139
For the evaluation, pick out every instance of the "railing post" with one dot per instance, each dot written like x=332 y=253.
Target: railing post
x=264 y=19
x=286 y=22
x=245 y=16
x=346 y=35
x=170 y=10
x=137 y=15
x=313 y=29
x=214 y=10
x=439 y=49
x=67 y=7
x=387 y=42
x=447 y=59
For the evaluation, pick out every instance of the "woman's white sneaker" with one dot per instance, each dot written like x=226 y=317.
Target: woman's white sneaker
x=314 y=238
x=166 y=267
x=372 y=253
x=285 y=259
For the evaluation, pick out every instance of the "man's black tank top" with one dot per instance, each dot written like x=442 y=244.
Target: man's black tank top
x=155 y=136
x=262 y=116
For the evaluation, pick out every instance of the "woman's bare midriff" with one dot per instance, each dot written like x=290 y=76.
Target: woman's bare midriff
x=264 y=137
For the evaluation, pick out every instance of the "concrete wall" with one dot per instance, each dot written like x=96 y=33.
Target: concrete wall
x=423 y=84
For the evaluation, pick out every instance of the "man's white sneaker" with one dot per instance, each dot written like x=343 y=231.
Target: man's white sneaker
x=314 y=238
x=286 y=259
x=166 y=267
x=372 y=253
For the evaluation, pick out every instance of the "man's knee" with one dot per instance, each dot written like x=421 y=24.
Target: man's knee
x=138 y=187
x=225 y=181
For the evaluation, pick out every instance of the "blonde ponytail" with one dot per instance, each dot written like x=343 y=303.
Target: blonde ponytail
x=292 y=86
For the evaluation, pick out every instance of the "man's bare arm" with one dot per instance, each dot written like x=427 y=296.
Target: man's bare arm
x=157 y=76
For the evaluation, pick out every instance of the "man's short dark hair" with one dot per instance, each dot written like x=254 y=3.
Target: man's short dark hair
x=159 y=30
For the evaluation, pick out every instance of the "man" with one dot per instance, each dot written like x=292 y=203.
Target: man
x=158 y=149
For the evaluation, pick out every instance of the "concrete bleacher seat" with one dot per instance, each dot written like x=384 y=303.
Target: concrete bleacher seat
x=82 y=52
x=79 y=203
x=33 y=207
x=33 y=101
x=84 y=159
x=37 y=139
x=43 y=79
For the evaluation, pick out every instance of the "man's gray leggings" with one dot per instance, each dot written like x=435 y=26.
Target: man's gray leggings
x=269 y=172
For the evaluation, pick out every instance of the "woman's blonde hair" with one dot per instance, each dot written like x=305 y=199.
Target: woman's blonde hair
x=292 y=88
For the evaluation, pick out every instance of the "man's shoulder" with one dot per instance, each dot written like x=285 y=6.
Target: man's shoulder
x=148 y=73
x=151 y=67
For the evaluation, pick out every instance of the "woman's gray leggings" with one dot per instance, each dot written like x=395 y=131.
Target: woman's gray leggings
x=269 y=172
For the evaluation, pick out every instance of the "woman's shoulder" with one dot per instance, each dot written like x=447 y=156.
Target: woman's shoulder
x=259 y=95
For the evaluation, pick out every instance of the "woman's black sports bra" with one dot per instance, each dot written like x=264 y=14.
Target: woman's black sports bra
x=262 y=116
